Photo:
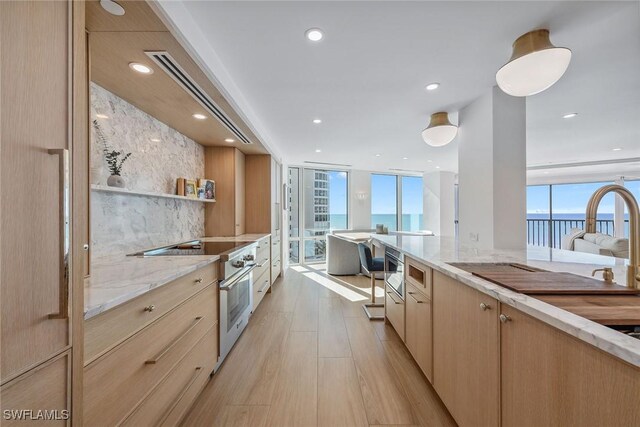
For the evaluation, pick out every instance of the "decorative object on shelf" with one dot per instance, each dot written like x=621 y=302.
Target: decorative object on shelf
x=440 y=130
x=535 y=65
x=209 y=188
x=201 y=193
x=113 y=159
x=190 y=188
x=180 y=186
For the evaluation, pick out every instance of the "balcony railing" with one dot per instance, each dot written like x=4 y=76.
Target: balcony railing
x=547 y=232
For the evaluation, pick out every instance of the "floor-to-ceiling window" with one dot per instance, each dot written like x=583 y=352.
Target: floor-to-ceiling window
x=319 y=206
x=411 y=205
x=384 y=201
x=553 y=210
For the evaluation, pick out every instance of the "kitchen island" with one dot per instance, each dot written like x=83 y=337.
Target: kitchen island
x=498 y=357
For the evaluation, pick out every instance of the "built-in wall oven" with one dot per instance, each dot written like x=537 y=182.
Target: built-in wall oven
x=235 y=308
x=394 y=270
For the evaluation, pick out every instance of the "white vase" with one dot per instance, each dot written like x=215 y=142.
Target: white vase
x=115 y=181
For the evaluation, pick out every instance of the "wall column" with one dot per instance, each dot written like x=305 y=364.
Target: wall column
x=439 y=203
x=492 y=172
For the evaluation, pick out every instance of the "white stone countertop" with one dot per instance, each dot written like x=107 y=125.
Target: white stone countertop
x=119 y=278
x=437 y=252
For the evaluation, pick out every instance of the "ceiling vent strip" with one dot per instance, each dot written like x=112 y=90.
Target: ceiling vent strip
x=171 y=67
x=327 y=163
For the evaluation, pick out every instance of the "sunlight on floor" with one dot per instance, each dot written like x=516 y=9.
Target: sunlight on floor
x=298 y=268
x=335 y=287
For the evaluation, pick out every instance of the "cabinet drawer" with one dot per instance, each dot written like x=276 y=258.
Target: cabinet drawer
x=275 y=248
x=394 y=310
x=275 y=269
x=107 y=329
x=264 y=245
x=418 y=275
x=169 y=401
x=117 y=381
x=43 y=388
x=264 y=264
x=260 y=288
x=418 y=329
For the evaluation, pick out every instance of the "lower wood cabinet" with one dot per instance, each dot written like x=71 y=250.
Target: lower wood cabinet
x=42 y=392
x=552 y=379
x=418 y=329
x=466 y=360
x=164 y=365
x=394 y=310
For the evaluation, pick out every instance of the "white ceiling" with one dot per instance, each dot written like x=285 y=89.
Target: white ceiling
x=366 y=78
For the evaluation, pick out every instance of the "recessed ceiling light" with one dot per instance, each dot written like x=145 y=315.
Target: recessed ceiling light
x=429 y=161
x=314 y=34
x=112 y=7
x=617 y=149
x=199 y=116
x=377 y=155
x=437 y=167
x=155 y=139
x=229 y=140
x=405 y=158
x=102 y=116
x=432 y=86
x=569 y=115
x=318 y=150
x=317 y=121
x=140 y=68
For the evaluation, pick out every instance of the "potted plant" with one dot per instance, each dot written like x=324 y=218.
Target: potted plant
x=114 y=162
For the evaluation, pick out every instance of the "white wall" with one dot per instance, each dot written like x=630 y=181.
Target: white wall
x=492 y=172
x=439 y=203
x=360 y=207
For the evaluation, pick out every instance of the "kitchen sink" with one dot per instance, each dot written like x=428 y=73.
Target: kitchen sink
x=631 y=330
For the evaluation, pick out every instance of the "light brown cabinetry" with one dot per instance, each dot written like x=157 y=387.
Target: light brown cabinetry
x=44 y=143
x=552 y=379
x=156 y=363
x=394 y=310
x=44 y=388
x=466 y=368
x=226 y=166
x=418 y=329
x=263 y=203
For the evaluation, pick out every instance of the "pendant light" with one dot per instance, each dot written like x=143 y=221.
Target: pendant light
x=535 y=65
x=440 y=130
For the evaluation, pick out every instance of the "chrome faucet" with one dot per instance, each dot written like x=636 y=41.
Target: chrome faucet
x=633 y=270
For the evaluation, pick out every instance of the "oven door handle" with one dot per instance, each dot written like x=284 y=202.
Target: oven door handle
x=225 y=286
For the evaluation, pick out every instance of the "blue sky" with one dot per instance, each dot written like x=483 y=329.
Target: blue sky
x=567 y=198
x=383 y=194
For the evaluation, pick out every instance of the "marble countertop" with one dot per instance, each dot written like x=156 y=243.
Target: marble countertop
x=437 y=252
x=119 y=278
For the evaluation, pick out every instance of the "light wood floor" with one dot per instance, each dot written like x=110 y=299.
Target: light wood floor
x=310 y=357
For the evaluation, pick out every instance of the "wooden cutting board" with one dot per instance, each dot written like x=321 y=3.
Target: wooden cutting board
x=611 y=310
x=552 y=283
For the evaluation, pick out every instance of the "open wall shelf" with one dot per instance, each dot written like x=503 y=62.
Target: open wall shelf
x=107 y=189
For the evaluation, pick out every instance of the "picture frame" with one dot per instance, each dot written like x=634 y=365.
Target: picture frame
x=190 y=189
x=209 y=186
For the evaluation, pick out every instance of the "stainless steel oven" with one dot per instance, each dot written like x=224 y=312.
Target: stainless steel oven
x=394 y=270
x=235 y=308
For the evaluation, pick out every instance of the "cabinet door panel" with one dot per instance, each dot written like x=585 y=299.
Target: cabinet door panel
x=418 y=336
x=552 y=379
x=34 y=118
x=465 y=352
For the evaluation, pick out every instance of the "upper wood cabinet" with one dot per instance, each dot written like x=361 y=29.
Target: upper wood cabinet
x=552 y=379
x=466 y=359
x=226 y=166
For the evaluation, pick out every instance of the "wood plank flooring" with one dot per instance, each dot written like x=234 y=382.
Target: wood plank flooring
x=310 y=357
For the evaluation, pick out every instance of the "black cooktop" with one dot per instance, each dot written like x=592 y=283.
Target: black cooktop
x=195 y=247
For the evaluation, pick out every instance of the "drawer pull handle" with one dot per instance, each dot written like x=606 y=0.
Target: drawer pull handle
x=174 y=342
x=484 y=306
x=266 y=285
x=266 y=260
x=415 y=299
x=198 y=280
x=150 y=308
x=392 y=298
x=184 y=391
x=504 y=318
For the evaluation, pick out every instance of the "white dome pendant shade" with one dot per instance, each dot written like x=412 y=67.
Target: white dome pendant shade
x=440 y=130
x=535 y=65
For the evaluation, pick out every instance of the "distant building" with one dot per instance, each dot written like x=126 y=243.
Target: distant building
x=316 y=211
